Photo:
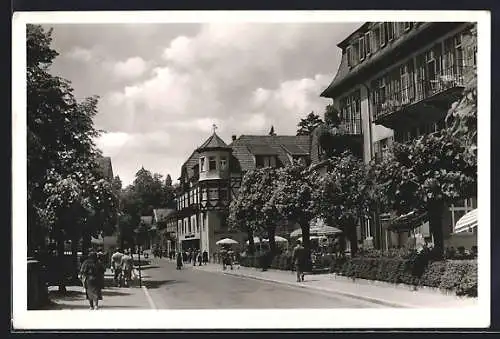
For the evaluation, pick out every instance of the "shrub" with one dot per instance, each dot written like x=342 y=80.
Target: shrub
x=433 y=274
x=468 y=283
x=460 y=276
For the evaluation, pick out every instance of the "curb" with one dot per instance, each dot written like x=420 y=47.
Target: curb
x=350 y=295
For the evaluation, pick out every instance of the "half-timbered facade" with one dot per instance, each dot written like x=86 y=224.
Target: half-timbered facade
x=211 y=177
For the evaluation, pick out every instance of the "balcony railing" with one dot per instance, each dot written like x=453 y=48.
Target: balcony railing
x=419 y=90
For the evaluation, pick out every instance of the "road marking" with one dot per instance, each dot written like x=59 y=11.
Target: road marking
x=148 y=296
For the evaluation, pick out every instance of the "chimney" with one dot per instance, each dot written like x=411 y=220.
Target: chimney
x=233 y=137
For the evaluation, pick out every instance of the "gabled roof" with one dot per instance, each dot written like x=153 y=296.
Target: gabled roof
x=214 y=141
x=161 y=214
x=247 y=146
x=293 y=149
x=262 y=150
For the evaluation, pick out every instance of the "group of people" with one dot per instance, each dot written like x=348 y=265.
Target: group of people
x=121 y=266
x=193 y=256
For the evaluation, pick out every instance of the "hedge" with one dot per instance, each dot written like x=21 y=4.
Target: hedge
x=459 y=276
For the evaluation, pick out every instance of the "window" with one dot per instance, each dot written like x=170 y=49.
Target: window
x=355 y=53
x=265 y=161
x=362 y=49
x=204 y=194
x=459 y=209
x=213 y=194
x=202 y=164
x=389 y=29
x=349 y=56
x=212 y=164
x=368 y=229
x=375 y=35
x=382 y=35
x=223 y=194
x=223 y=163
x=368 y=43
x=350 y=112
x=407 y=26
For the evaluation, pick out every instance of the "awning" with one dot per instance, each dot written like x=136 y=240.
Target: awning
x=276 y=239
x=319 y=228
x=467 y=222
x=406 y=222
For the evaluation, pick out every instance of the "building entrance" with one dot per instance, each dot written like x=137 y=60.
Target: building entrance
x=191 y=243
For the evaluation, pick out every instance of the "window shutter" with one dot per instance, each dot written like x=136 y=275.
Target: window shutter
x=349 y=56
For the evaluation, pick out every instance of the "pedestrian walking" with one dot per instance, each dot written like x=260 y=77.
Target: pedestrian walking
x=91 y=272
x=193 y=257
x=299 y=260
x=116 y=266
x=102 y=260
x=179 y=260
x=199 y=258
x=127 y=265
x=205 y=257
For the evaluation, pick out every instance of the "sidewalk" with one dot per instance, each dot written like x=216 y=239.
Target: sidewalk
x=133 y=297
x=372 y=291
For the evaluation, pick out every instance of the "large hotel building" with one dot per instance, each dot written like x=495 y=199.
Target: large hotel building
x=399 y=80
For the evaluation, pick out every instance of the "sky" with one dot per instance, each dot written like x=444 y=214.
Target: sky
x=163 y=86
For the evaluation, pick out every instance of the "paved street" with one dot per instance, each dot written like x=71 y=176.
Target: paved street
x=191 y=288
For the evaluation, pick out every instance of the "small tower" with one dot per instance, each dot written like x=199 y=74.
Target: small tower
x=214 y=158
x=214 y=188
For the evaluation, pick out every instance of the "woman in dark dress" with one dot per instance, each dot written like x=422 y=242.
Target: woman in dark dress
x=179 y=260
x=92 y=273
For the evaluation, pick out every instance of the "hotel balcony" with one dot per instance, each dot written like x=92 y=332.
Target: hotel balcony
x=424 y=100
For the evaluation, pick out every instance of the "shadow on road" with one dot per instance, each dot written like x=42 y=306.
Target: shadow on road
x=84 y=306
x=152 y=284
x=147 y=267
x=109 y=293
x=68 y=295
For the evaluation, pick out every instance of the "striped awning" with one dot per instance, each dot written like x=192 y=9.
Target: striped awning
x=467 y=222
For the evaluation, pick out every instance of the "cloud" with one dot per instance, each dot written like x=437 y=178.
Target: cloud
x=172 y=83
x=130 y=68
x=80 y=54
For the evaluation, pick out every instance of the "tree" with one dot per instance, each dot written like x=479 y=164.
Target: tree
x=252 y=210
x=308 y=124
x=148 y=192
x=294 y=197
x=117 y=184
x=332 y=116
x=65 y=191
x=424 y=175
x=344 y=195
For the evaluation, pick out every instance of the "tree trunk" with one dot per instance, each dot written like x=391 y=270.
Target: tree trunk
x=271 y=232
x=353 y=238
x=74 y=257
x=86 y=243
x=251 y=244
x=306 y=240
x=435 y=212
x=61 y=273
